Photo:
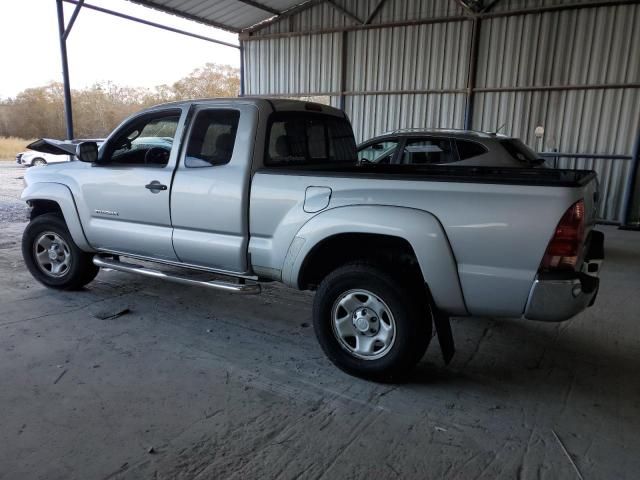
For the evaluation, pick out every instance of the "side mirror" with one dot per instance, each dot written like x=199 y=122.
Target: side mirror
x=87 y=152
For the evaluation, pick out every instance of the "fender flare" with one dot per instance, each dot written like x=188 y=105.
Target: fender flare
x=59 y=193
x=421 y=229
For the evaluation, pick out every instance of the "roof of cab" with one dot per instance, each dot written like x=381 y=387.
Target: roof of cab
x=275 y=104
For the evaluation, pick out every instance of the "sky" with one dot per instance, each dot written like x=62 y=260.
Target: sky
x=101 y=47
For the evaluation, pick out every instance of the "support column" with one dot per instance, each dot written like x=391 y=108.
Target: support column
x=68 y=115
x=473 y=68
x=632 y=189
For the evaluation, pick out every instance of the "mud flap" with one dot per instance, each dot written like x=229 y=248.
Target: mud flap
x=445 y=335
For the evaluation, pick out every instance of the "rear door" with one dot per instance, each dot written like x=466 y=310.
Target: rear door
x=210 y=193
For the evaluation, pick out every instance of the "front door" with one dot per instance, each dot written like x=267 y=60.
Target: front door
x=126 y=194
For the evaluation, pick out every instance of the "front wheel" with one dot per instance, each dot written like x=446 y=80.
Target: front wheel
x=52 y=256
x=369 y=323
x=39 y=162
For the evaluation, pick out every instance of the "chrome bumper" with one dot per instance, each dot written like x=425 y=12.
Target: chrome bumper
x=555 y=297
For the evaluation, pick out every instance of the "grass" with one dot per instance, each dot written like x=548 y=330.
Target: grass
x=9 y=146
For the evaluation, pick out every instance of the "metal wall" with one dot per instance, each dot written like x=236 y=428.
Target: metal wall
x=563 y=70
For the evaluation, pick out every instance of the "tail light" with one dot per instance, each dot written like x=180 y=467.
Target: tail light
x=565 y=247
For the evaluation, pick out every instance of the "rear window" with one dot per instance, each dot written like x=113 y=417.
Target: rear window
x=520 y=151
x=430 y=151
x=303 y=138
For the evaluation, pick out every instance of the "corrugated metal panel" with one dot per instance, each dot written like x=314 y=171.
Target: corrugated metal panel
x=372 y=115
x=588 y=46
x=585 y=121
x=409 y=58
x=299 y=65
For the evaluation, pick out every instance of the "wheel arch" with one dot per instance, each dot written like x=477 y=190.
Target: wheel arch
x=338 y=235
x=48 y=197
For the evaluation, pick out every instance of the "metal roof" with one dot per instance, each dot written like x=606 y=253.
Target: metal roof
x=232 y=15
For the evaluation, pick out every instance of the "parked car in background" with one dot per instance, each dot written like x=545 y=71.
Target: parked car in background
x=32 y=158
x=447 y=147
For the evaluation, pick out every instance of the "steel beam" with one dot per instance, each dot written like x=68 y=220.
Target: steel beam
x=474 y=53
x=374 y=12
x=151 y=24
x=68 y=114
x=72 y=20
x=284 y=14
x=344 y=11
x=260 y=6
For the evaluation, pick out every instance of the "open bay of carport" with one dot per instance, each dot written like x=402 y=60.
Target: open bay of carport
x=190 y=383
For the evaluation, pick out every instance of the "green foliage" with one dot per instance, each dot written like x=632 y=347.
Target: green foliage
x=39 y=112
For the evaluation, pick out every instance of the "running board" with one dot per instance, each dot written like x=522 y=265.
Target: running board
x=242 y=288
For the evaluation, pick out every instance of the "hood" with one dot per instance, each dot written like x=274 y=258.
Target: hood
x=55 y=147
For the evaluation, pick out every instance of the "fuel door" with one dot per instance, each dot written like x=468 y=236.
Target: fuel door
x=316 y=199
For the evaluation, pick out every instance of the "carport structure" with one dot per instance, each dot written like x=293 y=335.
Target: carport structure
x=569 y=67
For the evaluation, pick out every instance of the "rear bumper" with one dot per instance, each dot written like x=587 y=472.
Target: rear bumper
x=555 y=297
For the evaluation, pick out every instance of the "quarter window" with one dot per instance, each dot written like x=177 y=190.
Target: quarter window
x=213 y=137
x=469 y=149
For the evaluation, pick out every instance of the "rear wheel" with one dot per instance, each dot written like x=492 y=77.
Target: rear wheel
x=369 y=323
x=52 y=256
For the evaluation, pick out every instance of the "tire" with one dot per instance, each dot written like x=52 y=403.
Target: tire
x=38 y=162
x=70 y=268
x=367 y=301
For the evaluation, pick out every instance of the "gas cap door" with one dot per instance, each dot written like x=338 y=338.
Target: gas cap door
x=316 y=199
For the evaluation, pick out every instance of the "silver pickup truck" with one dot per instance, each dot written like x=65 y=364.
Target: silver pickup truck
x=253 y=190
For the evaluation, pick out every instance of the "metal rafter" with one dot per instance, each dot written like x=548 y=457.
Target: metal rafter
x=151 y=24
x=344 y=11
x=374 y=12
x=260 y=6
x=301 y=7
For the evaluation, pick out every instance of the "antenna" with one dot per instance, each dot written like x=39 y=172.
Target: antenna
x=500 y=128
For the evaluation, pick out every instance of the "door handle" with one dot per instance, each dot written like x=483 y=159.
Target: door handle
x=155 y=185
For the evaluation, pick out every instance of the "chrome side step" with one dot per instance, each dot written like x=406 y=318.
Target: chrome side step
x=242 y=288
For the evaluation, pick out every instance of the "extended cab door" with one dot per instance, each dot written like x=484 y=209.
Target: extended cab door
x=210 y=194
x=126 y=193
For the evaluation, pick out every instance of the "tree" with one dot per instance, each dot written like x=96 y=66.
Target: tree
x=39 y=112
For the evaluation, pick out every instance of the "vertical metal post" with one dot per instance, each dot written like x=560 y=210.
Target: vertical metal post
x=627 y=222
x=242 y=79
x=473 y=68
x=68 y=115
x=343 y=71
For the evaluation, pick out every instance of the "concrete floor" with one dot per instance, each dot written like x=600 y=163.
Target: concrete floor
x=195 y=384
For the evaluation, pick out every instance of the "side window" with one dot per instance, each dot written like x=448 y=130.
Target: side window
x=380 y=153
x=212 y=139
x=468 y=149
x=306 y=138
x=428 y=151
x=146 y=141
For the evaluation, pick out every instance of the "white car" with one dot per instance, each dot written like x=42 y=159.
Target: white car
x=32 y=158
